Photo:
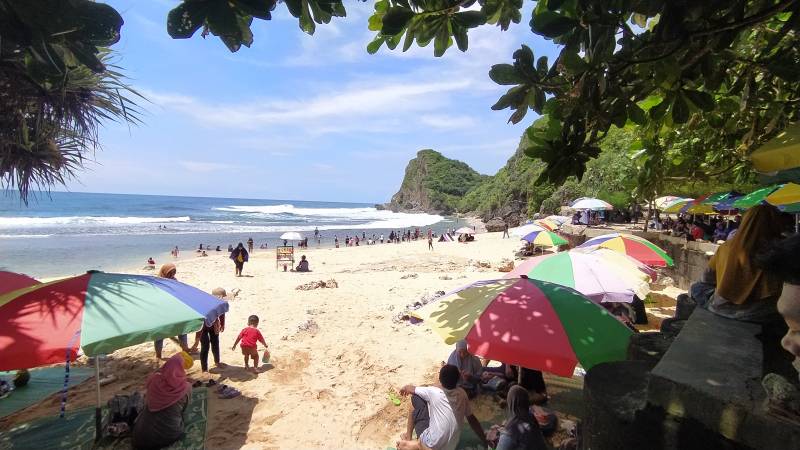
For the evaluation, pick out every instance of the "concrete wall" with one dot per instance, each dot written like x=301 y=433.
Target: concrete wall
x=691 y=258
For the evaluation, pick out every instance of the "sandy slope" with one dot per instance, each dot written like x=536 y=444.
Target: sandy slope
x=327 y=388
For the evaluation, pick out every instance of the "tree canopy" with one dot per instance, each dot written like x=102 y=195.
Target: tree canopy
x=704 y=83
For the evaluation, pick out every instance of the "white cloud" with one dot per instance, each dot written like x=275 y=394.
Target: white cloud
x=448 y=122
x=205 y=167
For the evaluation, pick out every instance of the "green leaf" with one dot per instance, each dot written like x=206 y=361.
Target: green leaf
x=701 y=100
x=460 y=35
x=680 y=109
x=541 y=66
x=185 y=19
x=572 y=61
x=395 y=20
x=373 y=46
x=551 y=25
x=382 y=6
x=636 y=114
x=260 y=9
x=100 y=24
x=658 y=111
x=639 y=19
x=442 y=41
x=470 y=19
x=505 y=74
x=375 y=22
x=729 y=104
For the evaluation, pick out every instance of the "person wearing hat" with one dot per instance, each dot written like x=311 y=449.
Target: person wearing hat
x=208 y=336
x=160 y=423
x=469 y=366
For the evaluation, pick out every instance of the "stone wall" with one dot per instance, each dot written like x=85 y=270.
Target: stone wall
x=691 y=258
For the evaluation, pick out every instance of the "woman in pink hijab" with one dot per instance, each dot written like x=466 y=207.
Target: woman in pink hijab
x=161 y=422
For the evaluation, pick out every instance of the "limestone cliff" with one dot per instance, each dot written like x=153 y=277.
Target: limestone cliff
x=433 y=183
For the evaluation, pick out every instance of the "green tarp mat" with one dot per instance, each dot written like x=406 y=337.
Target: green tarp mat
x=77 y=431
x=44 y=383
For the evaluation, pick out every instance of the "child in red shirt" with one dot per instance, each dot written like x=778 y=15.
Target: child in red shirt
x=249 y=337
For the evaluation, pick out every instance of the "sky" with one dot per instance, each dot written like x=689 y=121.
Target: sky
x=299 y=117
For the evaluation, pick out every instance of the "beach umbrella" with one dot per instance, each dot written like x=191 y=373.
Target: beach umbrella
x=698 y=207
x=617 y=259
x=637 y=248
x=590 y=274
x=528 y=228
x=529 y=323
x=465 y=230
x=544 y=238
x=292 y=236
x=676 y=206
x=786 y=195
x=97 y=312
x=779 y=153
x=547 y=224
x=560 y=220
x=594 y=204
x=756 y=197
x=662 y=202
x=11 y=281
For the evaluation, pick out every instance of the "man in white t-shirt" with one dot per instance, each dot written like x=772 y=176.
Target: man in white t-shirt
x=437 y=413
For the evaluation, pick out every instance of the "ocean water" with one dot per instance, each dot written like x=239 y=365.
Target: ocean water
x=69 y=233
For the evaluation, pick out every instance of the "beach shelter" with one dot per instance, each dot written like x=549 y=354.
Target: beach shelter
x=544 y=238
x=292 y=236
x=528 y=228
x=636 y=247
x=598 y=279
x=779 y=153
x=529 y=323
x=98 y=313
x=11 y=281
x=756 y=197
x=595 y=204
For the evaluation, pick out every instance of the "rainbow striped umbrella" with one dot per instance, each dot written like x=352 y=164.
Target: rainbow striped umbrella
x=547 y=224
x=99 y=313
x=530 y=323
x=544 y=238
x=638 y=248
x=599 y=279
x=756 y=197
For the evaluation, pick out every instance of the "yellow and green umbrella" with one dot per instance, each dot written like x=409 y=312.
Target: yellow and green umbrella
x=755 y=198
x=637 y=248
x=780 y=153
x=529 y=323
x=789 y=194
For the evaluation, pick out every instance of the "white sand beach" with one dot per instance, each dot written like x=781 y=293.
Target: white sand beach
x=328 y=384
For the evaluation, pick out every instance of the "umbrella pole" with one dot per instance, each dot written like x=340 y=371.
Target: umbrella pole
x=519 y=375
x=98 y=432
x=797 y=222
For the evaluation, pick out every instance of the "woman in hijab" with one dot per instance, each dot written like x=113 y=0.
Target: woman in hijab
x=161 y=421
x=733 y=286
x=470 y=367
x=520 y=430
x=239 y=256
x=168 y=271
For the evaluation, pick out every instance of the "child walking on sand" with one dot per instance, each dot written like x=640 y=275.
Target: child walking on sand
x=249 y=337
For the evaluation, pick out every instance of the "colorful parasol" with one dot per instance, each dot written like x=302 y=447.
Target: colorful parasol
x=594 y=204
x=544 y=238
x=99 y=313
x=787 y=195
x=522 y=230
x=547 y=224
x=530 y=323
x=779 y=153
x=637 y=248
x=756 y=197
x=11 y=281
x=662 y=202
x=590 y=274
x=676 y=206
x=465 y=230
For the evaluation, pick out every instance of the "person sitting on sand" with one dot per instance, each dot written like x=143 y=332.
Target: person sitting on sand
x=469 y=366
x=520 y=431
x=218 y=249
x=239 y=256
x=437 y=414
x=204 y=253
x=230 y=248
x=497 y=379
x=169 y=271
x=151 y=262
x=160 y=423
x=249 y=337
x=303 y=266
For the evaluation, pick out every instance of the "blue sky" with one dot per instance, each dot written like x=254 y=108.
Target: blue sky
x=297 y=116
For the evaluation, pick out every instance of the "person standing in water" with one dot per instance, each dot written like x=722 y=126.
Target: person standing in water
x=239 y=256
